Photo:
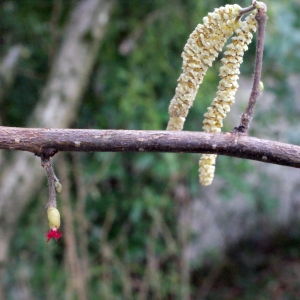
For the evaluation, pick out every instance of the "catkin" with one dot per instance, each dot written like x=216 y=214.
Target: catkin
x=201 y=49
x=227 y=88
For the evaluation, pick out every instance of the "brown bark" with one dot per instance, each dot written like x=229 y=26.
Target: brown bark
x=22 y=175
x=42 y=141
x=261 y=19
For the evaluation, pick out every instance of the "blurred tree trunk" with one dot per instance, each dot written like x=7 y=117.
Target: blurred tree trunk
x=7 y=74
x=22 y=175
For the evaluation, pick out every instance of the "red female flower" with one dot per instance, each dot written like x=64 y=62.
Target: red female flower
x=53 y=233
x=54 y=223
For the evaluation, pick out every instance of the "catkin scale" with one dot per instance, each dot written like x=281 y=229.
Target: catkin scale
x=227 y=88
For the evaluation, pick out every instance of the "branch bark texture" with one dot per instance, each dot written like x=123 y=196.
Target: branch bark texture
x=40 y=141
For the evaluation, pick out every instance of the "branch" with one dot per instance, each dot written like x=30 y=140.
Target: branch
x=40 y=141
x=53 y=182
x=246 y=117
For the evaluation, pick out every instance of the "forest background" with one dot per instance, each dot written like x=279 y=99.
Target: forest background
x=138 y=225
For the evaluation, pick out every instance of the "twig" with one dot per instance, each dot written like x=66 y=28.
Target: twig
x=52 y=179
x=247 y=9
x=38 y=140
x=261 y=19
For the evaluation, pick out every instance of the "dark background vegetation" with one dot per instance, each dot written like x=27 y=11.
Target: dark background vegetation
x=139 y=226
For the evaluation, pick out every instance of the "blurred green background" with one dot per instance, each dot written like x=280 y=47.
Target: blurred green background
x=139 y=226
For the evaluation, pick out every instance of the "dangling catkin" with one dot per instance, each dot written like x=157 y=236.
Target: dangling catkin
x=201 y=49
x=227 y=88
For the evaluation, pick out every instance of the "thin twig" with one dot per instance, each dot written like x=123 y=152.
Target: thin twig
x=246 y=10
x=261 y=19
x=46 y=163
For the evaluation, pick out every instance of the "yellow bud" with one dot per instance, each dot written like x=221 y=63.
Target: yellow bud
x=58 y=187
x=261 y=86
x=53 y=217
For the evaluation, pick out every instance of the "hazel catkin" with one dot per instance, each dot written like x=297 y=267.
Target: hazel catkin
x=201 y=49
x=233 y=57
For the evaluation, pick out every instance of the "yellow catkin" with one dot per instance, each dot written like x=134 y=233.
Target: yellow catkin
x=227 y=88
x=201 y=49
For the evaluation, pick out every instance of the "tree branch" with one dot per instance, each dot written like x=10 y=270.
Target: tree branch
x=246 y=117
x=39 y=141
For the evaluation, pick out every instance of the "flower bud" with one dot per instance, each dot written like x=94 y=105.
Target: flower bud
x=53 y=217
x=58 y=187
x=261 y=86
